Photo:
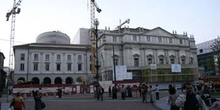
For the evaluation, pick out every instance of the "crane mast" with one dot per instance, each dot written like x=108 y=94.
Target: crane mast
x=15 y=10
x=93 y=6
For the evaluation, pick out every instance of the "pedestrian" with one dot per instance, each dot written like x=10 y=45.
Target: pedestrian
x=143 y=93
x=215 y=105
x=139 y=89
x=157 y=91
x=100 y=93
x=189 y=100
x=172 y=99
x=17 y=102
x=123 y=92
x=114 y=92
x=109 y=91
x=151 y=93
x=37 y=100
x=135 y=91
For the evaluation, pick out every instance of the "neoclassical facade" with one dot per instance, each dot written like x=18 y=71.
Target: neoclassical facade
x=52 y=60
x=148 y=54
x=140 y=48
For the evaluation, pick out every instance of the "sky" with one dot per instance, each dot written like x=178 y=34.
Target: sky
x=200 y=18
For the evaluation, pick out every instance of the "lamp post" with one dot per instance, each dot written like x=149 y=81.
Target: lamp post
x=114 y=70
x=96 y=23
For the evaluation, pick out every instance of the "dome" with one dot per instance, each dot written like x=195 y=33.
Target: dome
x=55 y=37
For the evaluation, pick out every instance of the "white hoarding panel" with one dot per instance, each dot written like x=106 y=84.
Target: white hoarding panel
x=175 y=68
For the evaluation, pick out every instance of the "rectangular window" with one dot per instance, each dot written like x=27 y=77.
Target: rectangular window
x=200 y=50
x=47 y=57
x=90 y=67
x=35 y=57
x=170 y=40
x=172 y=61
x=35 y=66
x=114 y=39
x=136 y=62
x=181 y=41
x=79 y=67
x=58 y=66
x=22 y=67
x=159 y=39
x=134 y=38
x=183 y=61
x=191 y=60
x=69 y=58
x=148 y=38
x=69 y=67
x=161 y=61
x=47 y=66
x=58 y=57
x=22 y=57
x=149 y=60
x=80 y=58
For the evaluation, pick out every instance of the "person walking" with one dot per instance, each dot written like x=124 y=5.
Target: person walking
x=109 y=91
x=189 y=100
x=157 y=91
x=151 y=93
x=172 y=99
x=123 y=91
x=143 y=93
x=18 y=102
x=100 y=93
x=114 y=92
x=37 y=100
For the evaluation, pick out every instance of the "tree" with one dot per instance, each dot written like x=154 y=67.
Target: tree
x=216 y=50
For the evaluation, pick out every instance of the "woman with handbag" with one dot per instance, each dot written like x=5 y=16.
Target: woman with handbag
x=172 y=99
x=38 y=101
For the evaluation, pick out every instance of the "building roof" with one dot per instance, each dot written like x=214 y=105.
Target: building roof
x=52 y=46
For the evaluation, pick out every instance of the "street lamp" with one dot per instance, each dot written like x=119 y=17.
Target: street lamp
x=96 y=23
x=114 y=70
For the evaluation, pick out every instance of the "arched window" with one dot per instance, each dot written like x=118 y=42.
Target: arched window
x=47 y=80
x=69 y=80
x=35 y=80
x=80 y=79
x=58 y=80
x=20 y=80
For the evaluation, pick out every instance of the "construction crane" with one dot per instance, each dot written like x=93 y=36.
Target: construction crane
x=15 y=10
x=93 y=6
x=121 y=24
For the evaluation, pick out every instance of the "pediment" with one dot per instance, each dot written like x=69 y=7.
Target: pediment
x=159 y=32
